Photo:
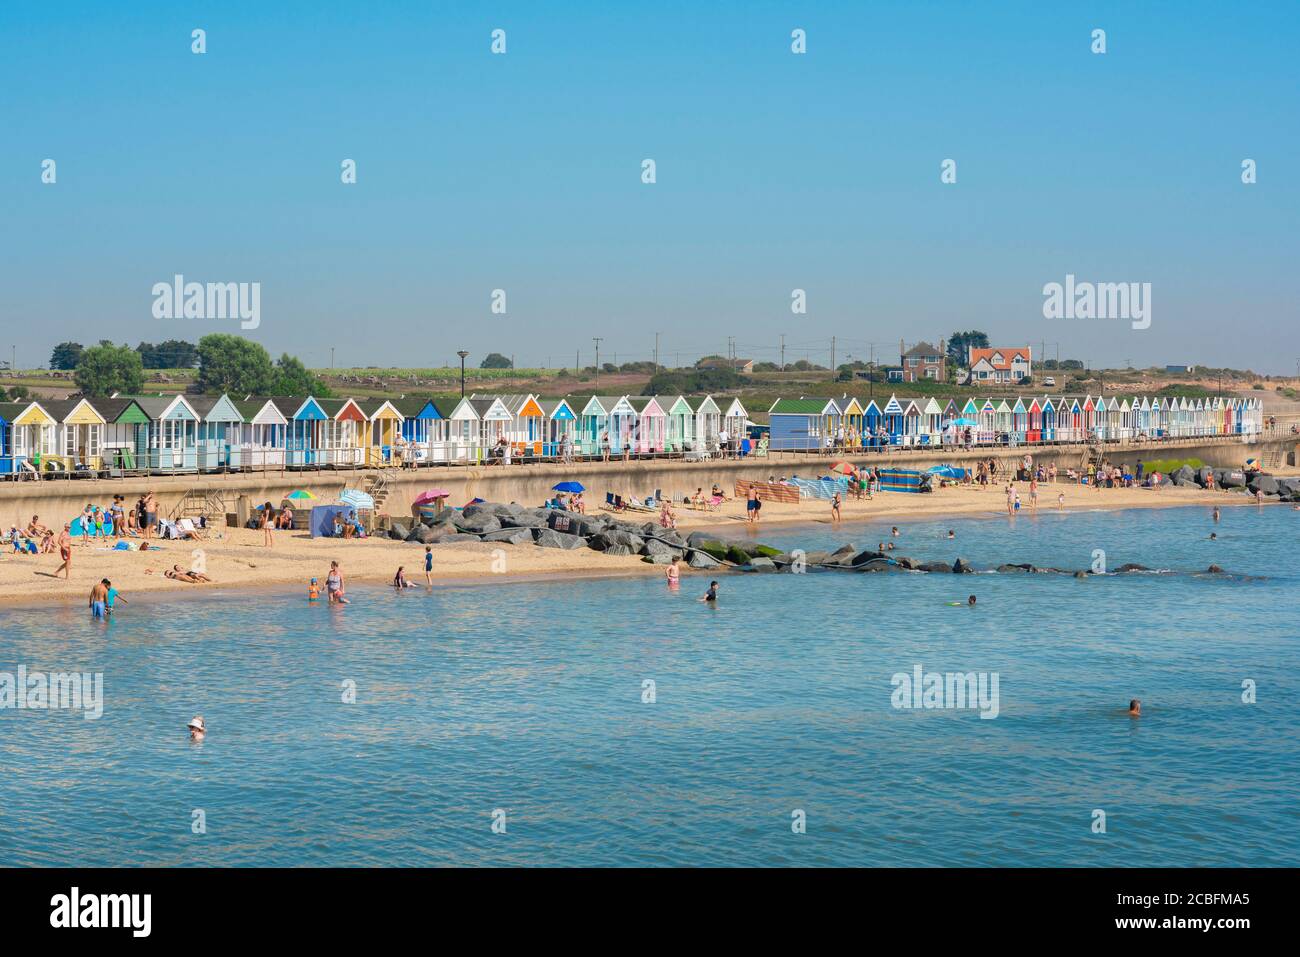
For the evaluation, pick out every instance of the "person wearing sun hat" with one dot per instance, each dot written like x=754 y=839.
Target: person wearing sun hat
x=197 y=728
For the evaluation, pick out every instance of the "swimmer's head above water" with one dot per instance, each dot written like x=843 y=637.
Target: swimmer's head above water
x=1135 y=707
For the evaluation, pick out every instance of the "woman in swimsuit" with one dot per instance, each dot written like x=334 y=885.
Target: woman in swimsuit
x=334 y=584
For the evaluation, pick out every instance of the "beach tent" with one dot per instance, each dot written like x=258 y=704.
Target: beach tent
x=947 y=471
x=220 y=426
x=322 y=519
x=263 y=434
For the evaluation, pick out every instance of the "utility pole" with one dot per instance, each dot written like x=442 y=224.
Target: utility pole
x=596 y=339
x=657 y=351
x=832 y=357
x=783 y=352
x=331 y=357
x=871 y=372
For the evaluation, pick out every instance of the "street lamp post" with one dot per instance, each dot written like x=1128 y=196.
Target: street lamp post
x=463 y=355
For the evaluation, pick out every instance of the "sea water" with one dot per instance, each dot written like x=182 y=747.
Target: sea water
x=613 y=721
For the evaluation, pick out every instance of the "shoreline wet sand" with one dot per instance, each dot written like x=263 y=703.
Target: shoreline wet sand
x=241 y=565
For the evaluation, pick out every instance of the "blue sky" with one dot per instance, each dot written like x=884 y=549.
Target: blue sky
x=775 y=171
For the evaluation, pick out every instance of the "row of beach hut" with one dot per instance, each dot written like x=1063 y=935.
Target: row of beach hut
x=185 y=433
x=817 y=423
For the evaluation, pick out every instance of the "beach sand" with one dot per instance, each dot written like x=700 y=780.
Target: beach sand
x=238 y=558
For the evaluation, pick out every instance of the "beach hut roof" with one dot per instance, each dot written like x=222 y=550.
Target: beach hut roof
x=1020 y=405
x=1003 y=407
x=342 y=410
x=911 y=408
x=1049 y=405
x=932 y=407
x=869 y=407
x=970 y=408
x=892 y=407
x=379 y=409
x=645 y=404
x=737 y=410
x=11 y=410
x=850 y=406
x=260 y=410
x=160 y=407
x=216 y=408
x=703 y=404
x=490 y=409
x=556 y=409
x=803 y=407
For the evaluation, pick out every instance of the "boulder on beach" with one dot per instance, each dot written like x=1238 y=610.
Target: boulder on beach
x=618 y=550
x=479 y=523
x=652 y=547
x=1080 y=574
x=699 y=559
x=601 y=541
x=1131 y=567
x=861 y=558
x=494 y=509
x=510 y=536
x=1231 y=478
x=961 y=567
x=880 y=565
x=1183 y=476
x=1203 y=475
x=657 y=558
x=1259 y=482
x=1014 y=569
x=761 y=564
x=424 y=534
x=549 y=538
x=454 y=538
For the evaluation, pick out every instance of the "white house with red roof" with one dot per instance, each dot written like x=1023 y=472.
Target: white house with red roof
x=1000 y=365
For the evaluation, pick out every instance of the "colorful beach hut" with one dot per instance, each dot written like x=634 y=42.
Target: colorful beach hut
x=651 y=424
x=708 y=422
x=593 y=423
x=340 y=438
x=873 y=424
x=220 y=427
x=384 y=428
x=561 y=423
x=424 y=427
x=173 y=434
x=10 y=462
x=801 y=424
x=263 y=434
x=34 y=437
x=305 y=437
x=735 y=419
x=931 y=422
x=1019 y=421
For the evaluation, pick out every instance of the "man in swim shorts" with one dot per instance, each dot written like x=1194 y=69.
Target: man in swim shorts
x=98 y=595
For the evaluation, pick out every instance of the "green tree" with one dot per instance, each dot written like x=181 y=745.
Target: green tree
x=65 y=355
x=105 y=369
x=495 y=360
x=172 y=354
x=293 y=378
x=16 y=393
x=961 y=343
x=229 y=363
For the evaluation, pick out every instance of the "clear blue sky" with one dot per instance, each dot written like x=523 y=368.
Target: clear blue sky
x=775 y=171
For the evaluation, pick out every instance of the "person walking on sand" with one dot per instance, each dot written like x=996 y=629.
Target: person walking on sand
x=266 y=525
x=1011 y=498
x=835 y=508
x=428 y=565
x=65 y=552
x=1033 y=494
x=150 y=504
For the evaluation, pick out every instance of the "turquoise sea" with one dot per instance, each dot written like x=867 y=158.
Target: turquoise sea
x=529 y=698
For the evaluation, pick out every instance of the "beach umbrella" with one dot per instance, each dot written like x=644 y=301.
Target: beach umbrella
x=844 y=468
x=356 y=498
x=298 y=494
x=568 y=487
x=431 y=495
x=962 y=421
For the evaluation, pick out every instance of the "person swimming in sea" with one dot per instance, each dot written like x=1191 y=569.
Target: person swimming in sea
x=969 y=603
x=711 y=596
x=672 y=573
x=1135 y=708
x=1214 y=537
x=951 y=533
x=1216 y=513
x=198 y=730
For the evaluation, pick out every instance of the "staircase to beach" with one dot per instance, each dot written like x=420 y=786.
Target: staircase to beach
x=195 y=503
x=378 y=485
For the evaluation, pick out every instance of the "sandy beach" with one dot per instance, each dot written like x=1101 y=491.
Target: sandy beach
x=237 y=557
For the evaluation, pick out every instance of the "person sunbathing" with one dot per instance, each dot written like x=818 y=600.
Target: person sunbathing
x=175 y=573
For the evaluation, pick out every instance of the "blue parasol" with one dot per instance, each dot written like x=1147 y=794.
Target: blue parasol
x=568 y=487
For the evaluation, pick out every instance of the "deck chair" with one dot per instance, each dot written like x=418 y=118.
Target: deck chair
x=29 y=472
x=188 y=530
x=611 y=502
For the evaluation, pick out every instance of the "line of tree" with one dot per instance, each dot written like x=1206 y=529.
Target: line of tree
x=227 y=363
x=172 y=354
x=961 y=343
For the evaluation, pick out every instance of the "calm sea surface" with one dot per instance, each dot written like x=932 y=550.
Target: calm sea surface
x=528 y=698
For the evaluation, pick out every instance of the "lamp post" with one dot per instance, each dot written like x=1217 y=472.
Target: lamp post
x=463 y=354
